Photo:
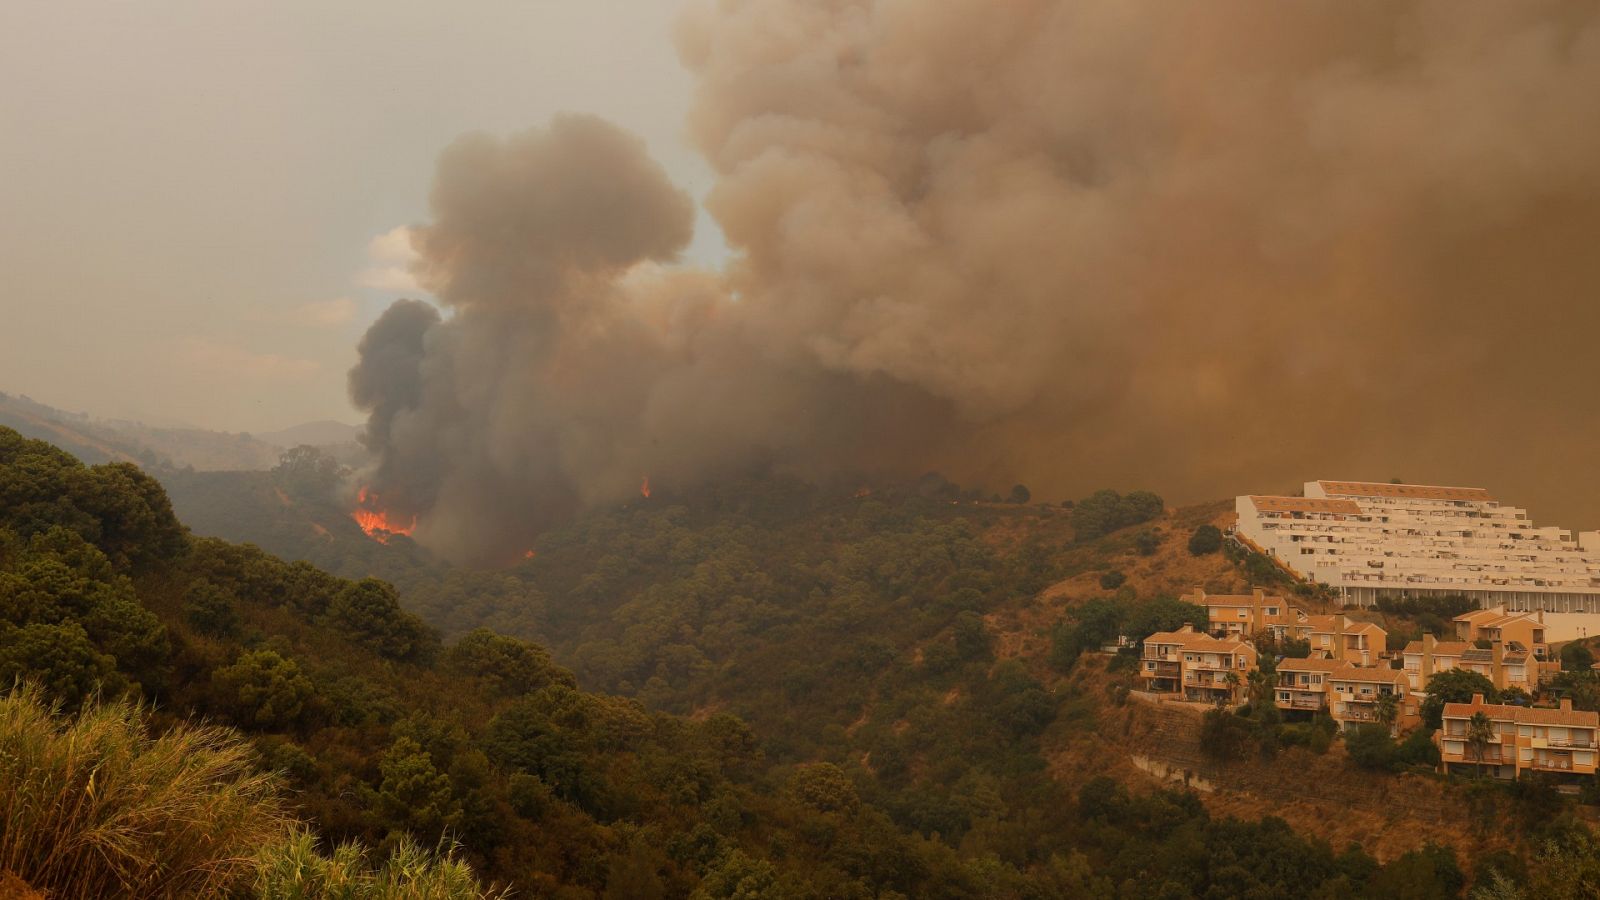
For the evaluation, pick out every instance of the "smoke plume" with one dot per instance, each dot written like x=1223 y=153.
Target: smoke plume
x=1203 y=248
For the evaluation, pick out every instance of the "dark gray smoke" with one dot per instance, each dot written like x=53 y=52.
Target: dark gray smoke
x=1203 y=248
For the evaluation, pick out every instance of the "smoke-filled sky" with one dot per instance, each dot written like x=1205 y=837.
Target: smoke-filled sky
x=1202 y=248
x=193 y=193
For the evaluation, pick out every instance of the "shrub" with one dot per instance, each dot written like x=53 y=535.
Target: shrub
x=59 y=659
x=1206 y=539
x=1453 y=686
x=264 y=690
x=824 y=787
x=1106 y=511
x=1371 y=747
x=92 y=807
x=1147 y=542
x=415 y=794
x=294 y=868
x=369 y=612
x=1575 y=657
x=1418 y=749
x=1321 y=740
x=210 y=610
x=1223 y=735
x=1112 y=580
x=507 y=666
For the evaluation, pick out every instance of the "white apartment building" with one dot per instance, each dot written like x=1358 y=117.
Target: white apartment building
x=1372 y=540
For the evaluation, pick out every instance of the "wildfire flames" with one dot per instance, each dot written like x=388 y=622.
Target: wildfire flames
x=375 y=521
x=644 y=488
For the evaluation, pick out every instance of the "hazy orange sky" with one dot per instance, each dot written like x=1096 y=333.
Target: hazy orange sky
x=194 y=193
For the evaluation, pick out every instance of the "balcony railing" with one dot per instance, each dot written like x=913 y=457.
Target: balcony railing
x=1551 y=764
x=1489 y=759
x=1578 y=745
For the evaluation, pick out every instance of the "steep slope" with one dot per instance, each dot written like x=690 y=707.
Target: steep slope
x=885 y=751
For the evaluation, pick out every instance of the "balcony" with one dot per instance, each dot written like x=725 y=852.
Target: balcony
x=1572 y=744
x=1489 y=758
x=1551 y=764
x=1462 y=735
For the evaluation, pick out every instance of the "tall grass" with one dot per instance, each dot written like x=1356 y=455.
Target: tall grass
x=295 y=870
x=93 y=806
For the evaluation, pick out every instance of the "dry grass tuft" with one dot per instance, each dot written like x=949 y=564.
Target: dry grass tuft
x=295 y=870
x=93 y=806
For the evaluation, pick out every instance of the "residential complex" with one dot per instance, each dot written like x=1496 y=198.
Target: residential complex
x=1508 y=741
x=1370 y=540
x=1333 y=637
x=1350 y=695
x=1514 y=658
x=1524 y=629
x=1348 y=677
x=1246 y=615
x=1196 y=665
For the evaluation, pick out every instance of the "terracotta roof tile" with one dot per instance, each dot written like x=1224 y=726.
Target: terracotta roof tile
x=1442 y=648
x=1378 y=674
x=1305 y=504
x=1524 y=715
x=1404 y=491
x=1309 y=665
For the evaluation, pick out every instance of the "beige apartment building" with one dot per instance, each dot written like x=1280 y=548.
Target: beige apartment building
x=1524 y=630
x=1506 y=665
x=1331 y=636
x=1196 y=666
x=1518 y=739
x=1350 y=695
x=1245 y=615
x=1341 y=637
x=1370 y=540
x=1356 y=695
x=1303 y=684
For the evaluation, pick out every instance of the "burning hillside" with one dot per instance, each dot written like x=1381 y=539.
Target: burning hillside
x=377 y=522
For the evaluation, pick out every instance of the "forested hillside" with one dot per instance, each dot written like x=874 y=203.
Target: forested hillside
x=773 y=691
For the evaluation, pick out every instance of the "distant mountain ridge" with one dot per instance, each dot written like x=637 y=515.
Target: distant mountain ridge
x=322 y=433
x=96 y=440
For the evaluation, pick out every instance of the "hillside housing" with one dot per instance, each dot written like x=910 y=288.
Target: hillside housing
x=1370 y=540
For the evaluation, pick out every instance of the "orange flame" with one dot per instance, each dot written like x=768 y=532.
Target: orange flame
x=644 y=488
x=375 y=522
x=529 y=555
x=862 y=492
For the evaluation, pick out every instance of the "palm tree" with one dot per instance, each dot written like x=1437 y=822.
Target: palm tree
x=1388 y=710
x=1480 y=734
x=1232 y=681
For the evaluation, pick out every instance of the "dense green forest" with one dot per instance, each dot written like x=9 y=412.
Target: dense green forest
x=772 y=690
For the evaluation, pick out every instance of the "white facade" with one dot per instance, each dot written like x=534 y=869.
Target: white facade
x=1372 y=540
